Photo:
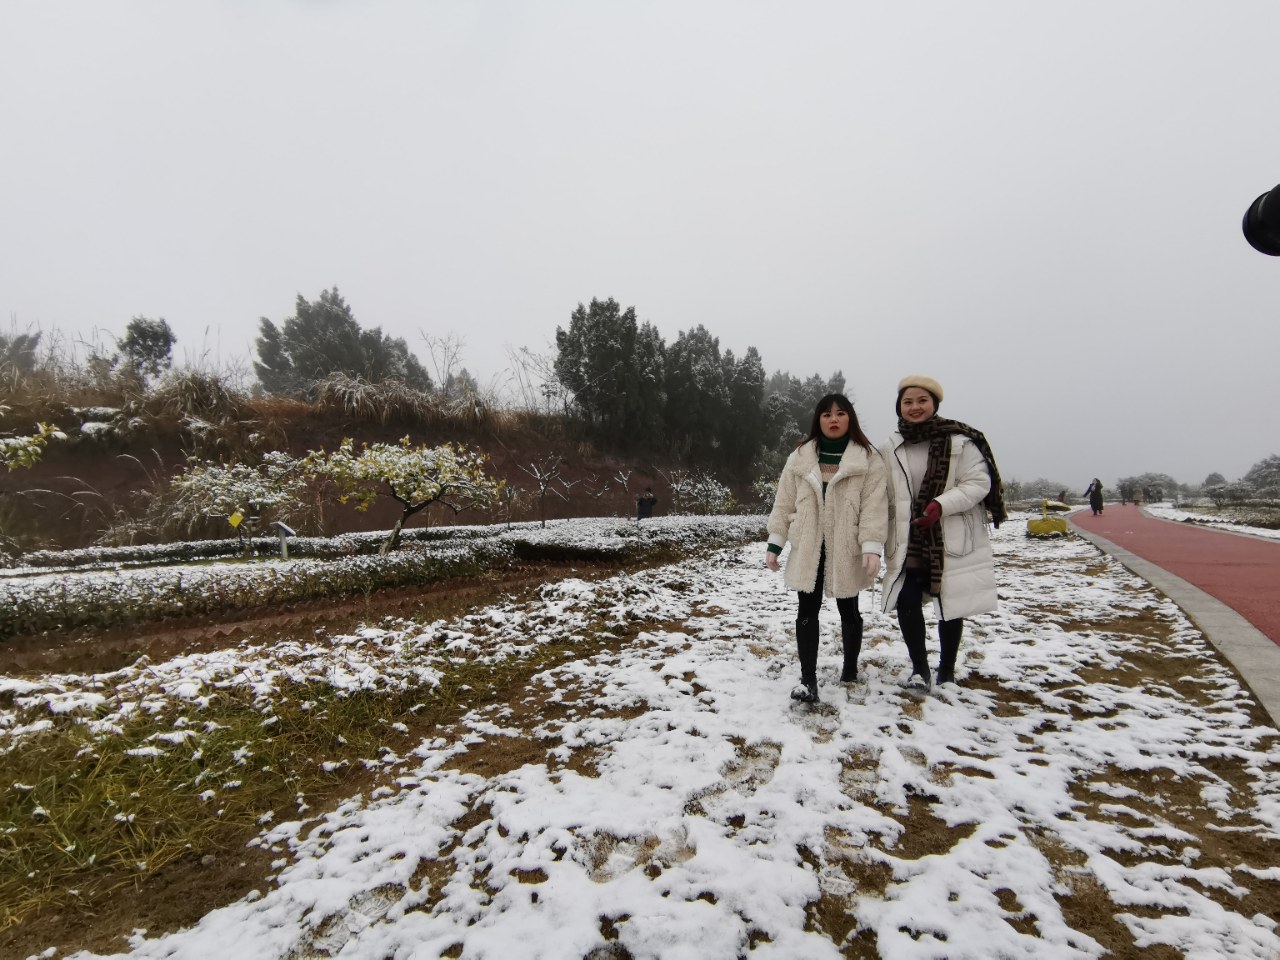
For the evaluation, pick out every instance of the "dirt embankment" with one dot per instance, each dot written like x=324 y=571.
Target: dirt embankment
x=83 y=486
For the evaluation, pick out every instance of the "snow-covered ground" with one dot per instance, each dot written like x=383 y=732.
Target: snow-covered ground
x=667 y=800
x=1167 y=511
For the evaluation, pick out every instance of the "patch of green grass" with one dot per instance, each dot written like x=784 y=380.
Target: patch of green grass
x=84 y=814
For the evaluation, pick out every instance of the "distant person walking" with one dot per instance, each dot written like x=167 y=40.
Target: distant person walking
x=943 y=479
x=1094 y=495
x=645 y=504
x=831 y=507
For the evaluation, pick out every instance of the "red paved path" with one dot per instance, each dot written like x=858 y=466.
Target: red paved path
x=1242 y=572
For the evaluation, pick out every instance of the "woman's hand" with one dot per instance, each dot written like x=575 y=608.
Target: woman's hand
x=771 y=561
x=932 y=514
x=871 y=564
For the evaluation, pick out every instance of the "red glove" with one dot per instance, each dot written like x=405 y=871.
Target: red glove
x=932 y=514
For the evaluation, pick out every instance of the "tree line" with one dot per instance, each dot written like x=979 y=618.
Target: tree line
x=615 y=378
x=612 y=379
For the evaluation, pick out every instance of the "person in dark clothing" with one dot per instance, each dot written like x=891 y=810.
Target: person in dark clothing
x=1094 y=495
x=645 y=504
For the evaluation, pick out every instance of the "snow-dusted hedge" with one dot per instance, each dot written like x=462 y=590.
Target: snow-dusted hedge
x=121 y=597
x=189 y=551
x=599 y=538
x=35 y=603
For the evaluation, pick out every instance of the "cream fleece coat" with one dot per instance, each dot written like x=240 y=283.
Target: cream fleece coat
x=852 y=519
x=968 y=568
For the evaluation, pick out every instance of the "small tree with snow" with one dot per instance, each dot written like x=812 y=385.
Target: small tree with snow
x=568 y=487
x=413 y=476
x=764 y=489
x=699 y=492
x=26 y=451
x=597 y=486
x=513 y=499
x=277 y=487
x=544 y=473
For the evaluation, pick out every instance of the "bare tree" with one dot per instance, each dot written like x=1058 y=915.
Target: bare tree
x=535 y=383
x=446 y=355
x=678 y=481
x=597 y=488
x=544 y=473
x=568 y=487
x=513 y=499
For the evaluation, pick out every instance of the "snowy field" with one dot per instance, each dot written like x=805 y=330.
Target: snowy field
x=1100 y=779
x=1166 y=511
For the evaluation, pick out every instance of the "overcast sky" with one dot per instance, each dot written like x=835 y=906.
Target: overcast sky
x=1037 y=204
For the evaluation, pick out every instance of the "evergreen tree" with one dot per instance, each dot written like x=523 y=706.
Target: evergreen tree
x=18 y=352
x=792 y=403
x=647 y=386
x=614 y=369
x=147 y=346
x=746 y=429
x=323 y=338
x=697 y=396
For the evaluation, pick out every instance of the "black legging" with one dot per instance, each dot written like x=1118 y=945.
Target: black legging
x=911 y=620
x=807 y=620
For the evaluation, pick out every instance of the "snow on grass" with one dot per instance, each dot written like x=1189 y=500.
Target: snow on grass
x=1166 y=511
x=670 y=798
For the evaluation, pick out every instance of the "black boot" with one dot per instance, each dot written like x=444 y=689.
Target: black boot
x=807 y=647
x=949 y=632
x=851 y=637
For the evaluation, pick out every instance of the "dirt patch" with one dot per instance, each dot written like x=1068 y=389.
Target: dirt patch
x=1155 y=808
x=90 y=651
x=1089 y=909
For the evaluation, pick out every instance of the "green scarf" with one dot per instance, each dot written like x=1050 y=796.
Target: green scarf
x=830 y=451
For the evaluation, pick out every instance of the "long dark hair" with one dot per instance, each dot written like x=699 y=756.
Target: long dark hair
x=825 y=404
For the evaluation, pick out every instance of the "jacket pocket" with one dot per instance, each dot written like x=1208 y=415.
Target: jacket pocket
x=957 y=534
x=848 y=527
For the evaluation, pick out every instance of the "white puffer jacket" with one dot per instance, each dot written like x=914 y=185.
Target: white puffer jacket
x=968 y=567
x=850 y=520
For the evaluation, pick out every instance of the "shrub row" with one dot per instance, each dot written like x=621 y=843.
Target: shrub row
x=34 y=604
x=192 y=551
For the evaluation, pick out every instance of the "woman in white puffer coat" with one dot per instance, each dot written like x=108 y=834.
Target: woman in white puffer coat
x=944 y=479
x=831 y=507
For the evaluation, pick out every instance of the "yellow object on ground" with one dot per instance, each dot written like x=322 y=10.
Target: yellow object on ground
x=1045 y=526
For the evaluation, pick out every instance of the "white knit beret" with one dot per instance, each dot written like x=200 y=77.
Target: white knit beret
x=924 y=383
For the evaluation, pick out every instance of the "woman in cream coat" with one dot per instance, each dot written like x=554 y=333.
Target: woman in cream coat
x=831 y=507
x=944 y=479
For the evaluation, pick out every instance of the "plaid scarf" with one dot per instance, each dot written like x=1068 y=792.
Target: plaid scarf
x=924 y=547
